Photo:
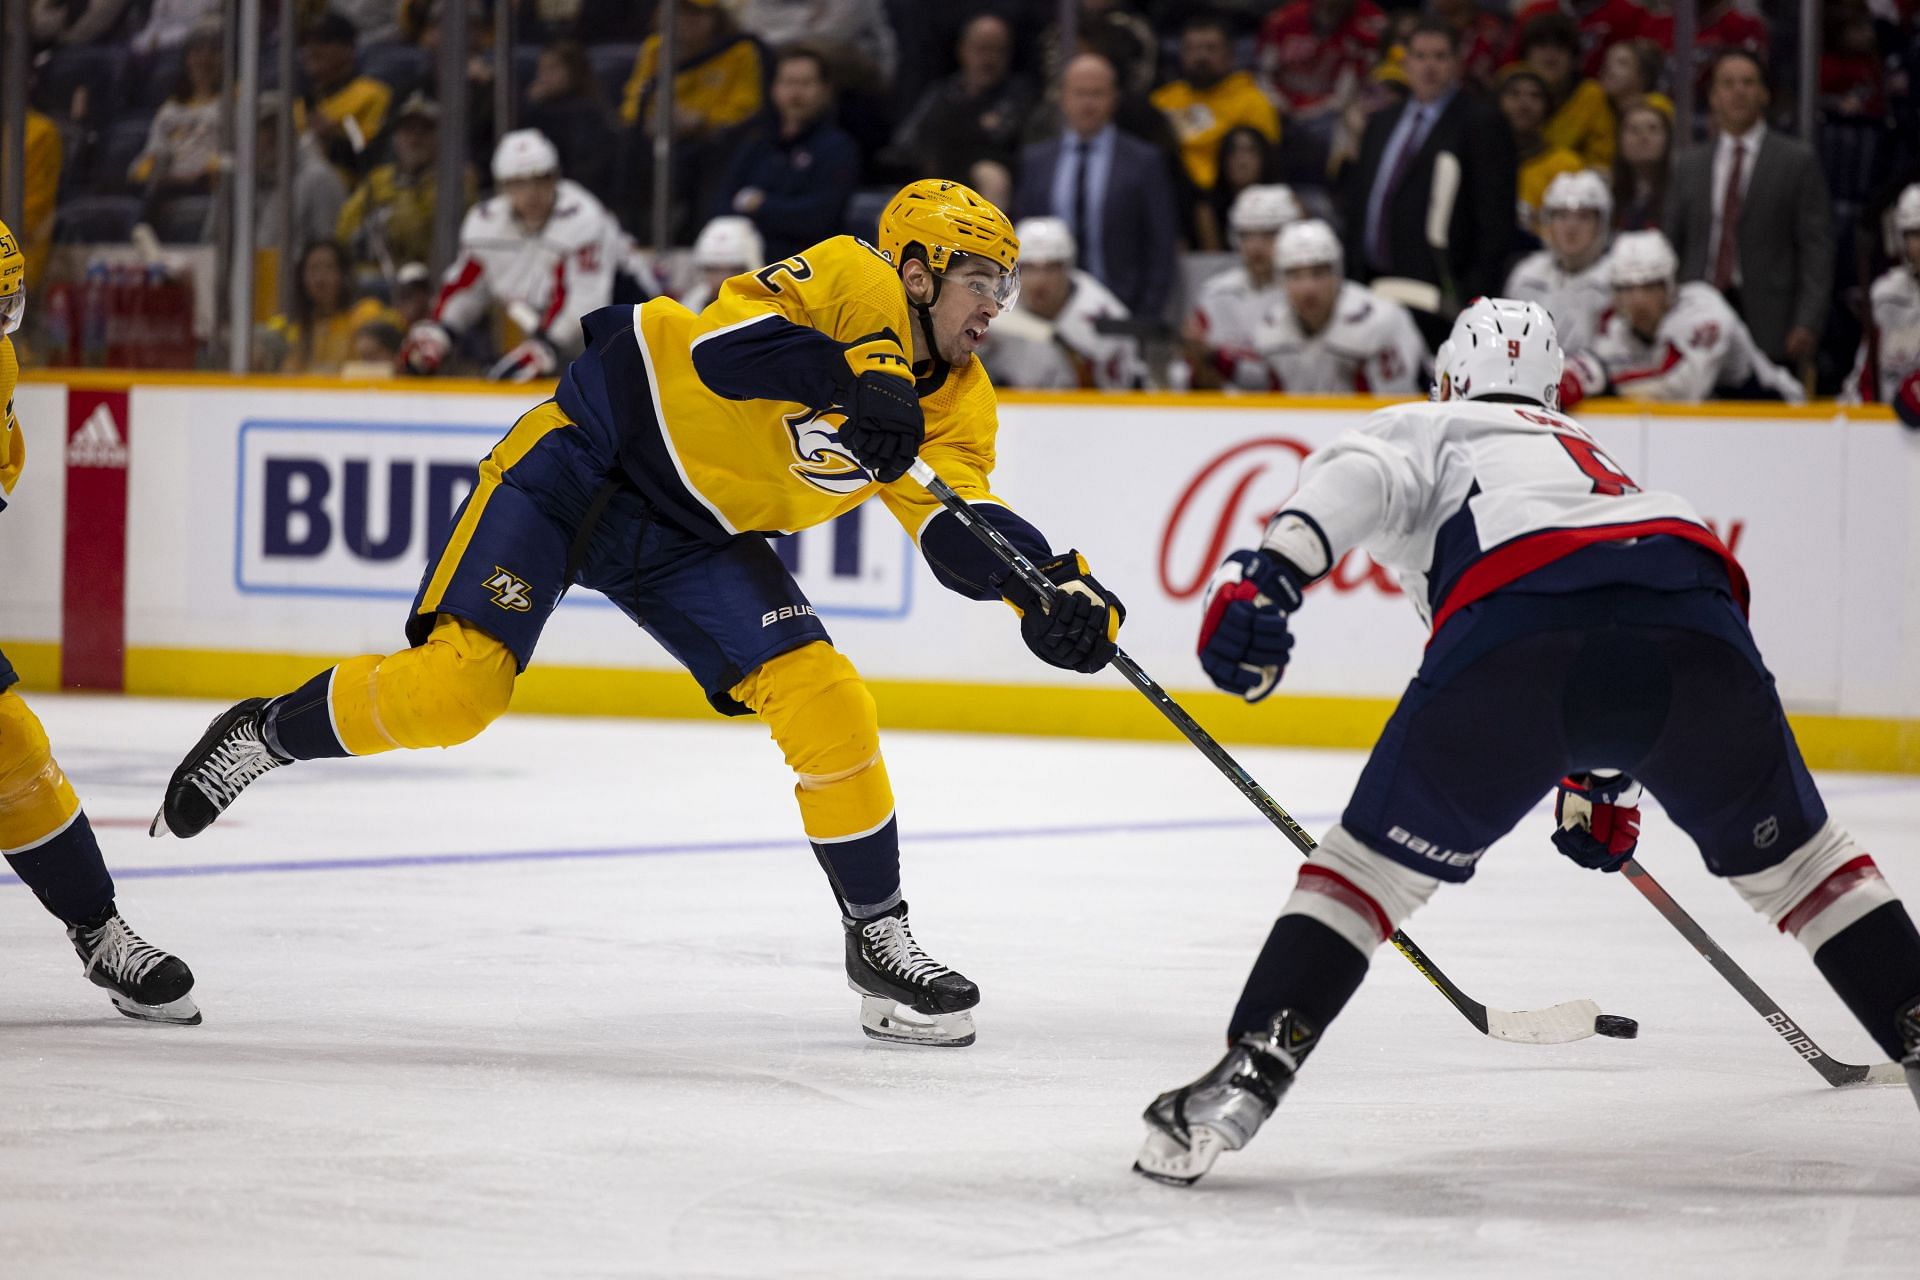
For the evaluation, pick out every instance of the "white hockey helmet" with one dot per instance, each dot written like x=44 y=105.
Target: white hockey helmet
x=524 y=153
x=1045 y=240
x=729 y=243
x=1906 y=211
x=1582 y=189
x=1308 y=243
x=1265 y=207
x=1642 y=257
x=1501 y=346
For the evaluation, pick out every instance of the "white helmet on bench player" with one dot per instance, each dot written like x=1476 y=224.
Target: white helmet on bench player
x=1265 y=207
x=1045 y=240
x=1642 y=257
x=1582 y=189
x=1308 y=243
x=1500 y=346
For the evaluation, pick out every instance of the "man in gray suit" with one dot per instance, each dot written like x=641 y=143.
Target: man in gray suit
x=1112 y=189
x=1749 y=214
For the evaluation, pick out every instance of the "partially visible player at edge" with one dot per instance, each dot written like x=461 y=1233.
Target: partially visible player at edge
x=675 y=444
x=1585 y=634
x=44 y=832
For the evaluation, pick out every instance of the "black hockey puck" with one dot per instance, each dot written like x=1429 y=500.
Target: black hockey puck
x=1612 y=1024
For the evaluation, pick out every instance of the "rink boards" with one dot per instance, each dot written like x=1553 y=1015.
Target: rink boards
x=219 y=537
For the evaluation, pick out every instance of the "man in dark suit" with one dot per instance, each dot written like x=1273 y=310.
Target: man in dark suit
x=1387 y=192
x=1777 y=266
x=1113 y=190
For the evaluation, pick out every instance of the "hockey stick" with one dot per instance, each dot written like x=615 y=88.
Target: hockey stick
x=1573 y=1020
x=1834 y=1072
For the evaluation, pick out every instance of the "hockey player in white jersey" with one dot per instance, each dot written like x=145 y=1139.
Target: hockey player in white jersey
x=1665 y=341
x=1888 y=366
x=1219 y=333
x=728 y=245
x=1330 y=335
x=1570 y=276
x=1588 y=637
x=1057 y=338
x=543 y=249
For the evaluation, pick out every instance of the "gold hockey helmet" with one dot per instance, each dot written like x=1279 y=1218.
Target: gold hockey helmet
x=13 y=281
x=938 y=221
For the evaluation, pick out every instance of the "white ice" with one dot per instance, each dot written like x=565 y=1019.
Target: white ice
x=625 y=1046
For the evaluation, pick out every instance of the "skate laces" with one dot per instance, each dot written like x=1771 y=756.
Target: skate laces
x=117 y=949
x=892 y=944
x=239 y=758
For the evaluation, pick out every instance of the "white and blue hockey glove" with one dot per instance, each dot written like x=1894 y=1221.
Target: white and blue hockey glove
x=1598 y=817
x=1244 y=641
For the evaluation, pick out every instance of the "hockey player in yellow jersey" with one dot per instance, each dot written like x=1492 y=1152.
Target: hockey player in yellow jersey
x=44 y=832
x=674 y=445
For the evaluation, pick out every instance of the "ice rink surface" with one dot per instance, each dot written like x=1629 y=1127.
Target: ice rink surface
x=569 y=1001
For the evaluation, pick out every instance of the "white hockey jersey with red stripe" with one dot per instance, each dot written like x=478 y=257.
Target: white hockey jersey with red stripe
x=1227 y=313
x=1896 y=326
x=1369 y=346
x=1461 y=498
x=546 y=280
x=1701 y=346
x=1025 y=350
x=1575 y=299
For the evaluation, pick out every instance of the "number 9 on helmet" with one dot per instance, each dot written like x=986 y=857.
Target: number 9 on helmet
x=1501 y=346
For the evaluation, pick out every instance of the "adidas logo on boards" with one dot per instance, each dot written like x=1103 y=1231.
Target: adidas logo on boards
x=98 y=442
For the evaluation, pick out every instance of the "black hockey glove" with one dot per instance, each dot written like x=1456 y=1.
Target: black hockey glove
x=1599 y=819
x=1244 y=641
x=884 y=427
x=1078 y=628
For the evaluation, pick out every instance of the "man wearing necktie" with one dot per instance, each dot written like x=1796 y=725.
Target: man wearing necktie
x=1387 y=192
x=1749 y=214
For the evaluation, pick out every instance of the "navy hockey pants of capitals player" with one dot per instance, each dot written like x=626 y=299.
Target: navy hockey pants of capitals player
x=1555 y=675
x=547 y=514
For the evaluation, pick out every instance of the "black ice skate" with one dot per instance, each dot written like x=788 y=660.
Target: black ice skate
x=909 y=997
x=231 y=754
x=1188 y=1128
x=142 y=980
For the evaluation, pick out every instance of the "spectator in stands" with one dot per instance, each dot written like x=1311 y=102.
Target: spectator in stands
x=413 y=294
x=794 y=173
x=377 y=21
x=1668 y=341
x=718 y=84
x=1329 y=335
x=44 y=159
x=1582 y=120
x=1570 y=277
x=1749 y=213
x=1064 y=332
x=1113 y=191
x=343 y=111
x=977 y=113
x=1887 y=367
x=542 y=250
x=318 y=336
x=183 y=145
x=1524 y=96
x=1388 y=190
x=74 y=21
x=1630 y=71
x=1219 y=334
x=318 y=191
x=564 y=103
x=853 y=36
x=171 y=23
x=388 y=221
x=1315 y=56
x=1246 y=160
x=1729 y=24
x=375 y=351
x=1643 y=164
x=727 y=246
x=1480 y=38
x=1211 y=98
x=1105 y=27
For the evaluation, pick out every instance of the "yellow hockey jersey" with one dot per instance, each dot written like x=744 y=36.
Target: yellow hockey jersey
x=13 y=444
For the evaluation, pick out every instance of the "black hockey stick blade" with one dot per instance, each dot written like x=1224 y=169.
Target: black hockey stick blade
x=1558 y=1024
x=1835 y=1072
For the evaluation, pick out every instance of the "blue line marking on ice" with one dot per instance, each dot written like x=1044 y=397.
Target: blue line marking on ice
x=390 y=861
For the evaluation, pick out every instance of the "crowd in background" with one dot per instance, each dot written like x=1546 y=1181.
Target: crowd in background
x=1262 y=194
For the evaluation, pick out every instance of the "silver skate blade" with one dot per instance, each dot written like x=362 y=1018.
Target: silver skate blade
x=158 y=827
x=1166 y=1159
x=182 y=1012
x=883 y=1018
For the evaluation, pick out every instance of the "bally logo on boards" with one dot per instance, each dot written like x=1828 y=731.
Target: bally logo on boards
x=98 y=442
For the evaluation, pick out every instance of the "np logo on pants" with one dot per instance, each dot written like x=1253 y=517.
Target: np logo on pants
x=509 y=592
